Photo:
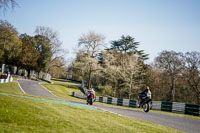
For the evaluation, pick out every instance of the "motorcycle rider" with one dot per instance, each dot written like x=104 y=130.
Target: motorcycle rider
x=91 y=91
x=146 y=93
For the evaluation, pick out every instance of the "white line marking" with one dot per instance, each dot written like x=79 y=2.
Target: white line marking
x=47 y=90
x=21 y=88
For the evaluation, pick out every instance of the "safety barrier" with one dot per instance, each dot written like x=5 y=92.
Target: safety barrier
x=79 y=95
x=178 y=107
x=156 y=105
x=192 y=109
x=166 y=106
x=6 y=79
x=175 y=107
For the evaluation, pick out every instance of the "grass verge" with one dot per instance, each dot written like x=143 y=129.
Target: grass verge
x=65 y=81
x=62 y=90
x=11 y=87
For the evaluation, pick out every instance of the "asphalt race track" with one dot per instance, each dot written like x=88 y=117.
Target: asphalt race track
x=180 y=123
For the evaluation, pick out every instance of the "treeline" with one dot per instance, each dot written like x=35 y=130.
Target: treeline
x=120 y=71
x=41 y=52
x=175 y=76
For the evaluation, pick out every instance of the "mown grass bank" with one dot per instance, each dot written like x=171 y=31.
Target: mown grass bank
x=25 y=115
x=63 y=90
x=11 y=88
x=65 y=81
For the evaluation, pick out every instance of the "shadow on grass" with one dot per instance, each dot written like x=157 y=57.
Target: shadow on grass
x=66 y=80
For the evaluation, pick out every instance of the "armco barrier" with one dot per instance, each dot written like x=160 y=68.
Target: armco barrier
x=166 y=106
x=79 y=95
x=156 y=105
x=97 y=99
x=199 y=110
x=175 y=107
x=6 y=80
x=178 y=107
x=192 y=109
x=105 y=99
x=119 y=101
x=132 y=103
x=126 y=102
x=109 y=100
x=100 y=99
x=114 y=101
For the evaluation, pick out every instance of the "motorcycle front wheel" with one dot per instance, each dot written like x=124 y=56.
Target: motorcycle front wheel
x=146 y=107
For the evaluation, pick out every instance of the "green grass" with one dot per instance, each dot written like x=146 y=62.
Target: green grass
x=65 y=81
x=14 y=78
x=2 y=73
x=11 y=88
x=63 y=91
x=25 y=115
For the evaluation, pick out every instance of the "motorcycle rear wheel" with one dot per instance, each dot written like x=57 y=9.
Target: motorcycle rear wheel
x=90 y=101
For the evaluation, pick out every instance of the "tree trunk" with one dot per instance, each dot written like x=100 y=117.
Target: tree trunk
x=115 y=93
x=89 y=82
x=129 y=96
x=17 y=71
x=89 y=79
x=173 y=88
x=130 y=87
x=198 y=98
x=38 y=75
x=115 y=90
x=29 y=73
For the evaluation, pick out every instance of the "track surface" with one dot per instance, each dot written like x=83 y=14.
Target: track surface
x=180 y=123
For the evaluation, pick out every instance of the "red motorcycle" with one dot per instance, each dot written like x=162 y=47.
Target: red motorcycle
x=90 y=99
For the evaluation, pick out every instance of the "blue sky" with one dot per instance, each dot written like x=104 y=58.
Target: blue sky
x=157 y=24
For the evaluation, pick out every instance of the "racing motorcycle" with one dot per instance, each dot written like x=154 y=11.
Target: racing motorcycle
x=90 y=99
x=144 y=102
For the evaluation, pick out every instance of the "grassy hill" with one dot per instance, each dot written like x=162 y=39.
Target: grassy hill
x=65 y=81
x=20 y=114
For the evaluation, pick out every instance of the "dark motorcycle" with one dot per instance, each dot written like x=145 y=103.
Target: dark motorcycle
x=144 y=102
x=91 y=99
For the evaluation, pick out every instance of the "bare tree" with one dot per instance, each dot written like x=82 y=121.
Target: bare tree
x=192 y=71
x=86 y=66
x=60 y=70
x=90 y=45
x=170 y=62
x=53 y=37
x=122 y=70
x=58 y=52
x=5 y=4
x=112 y=69
x=131 y=70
